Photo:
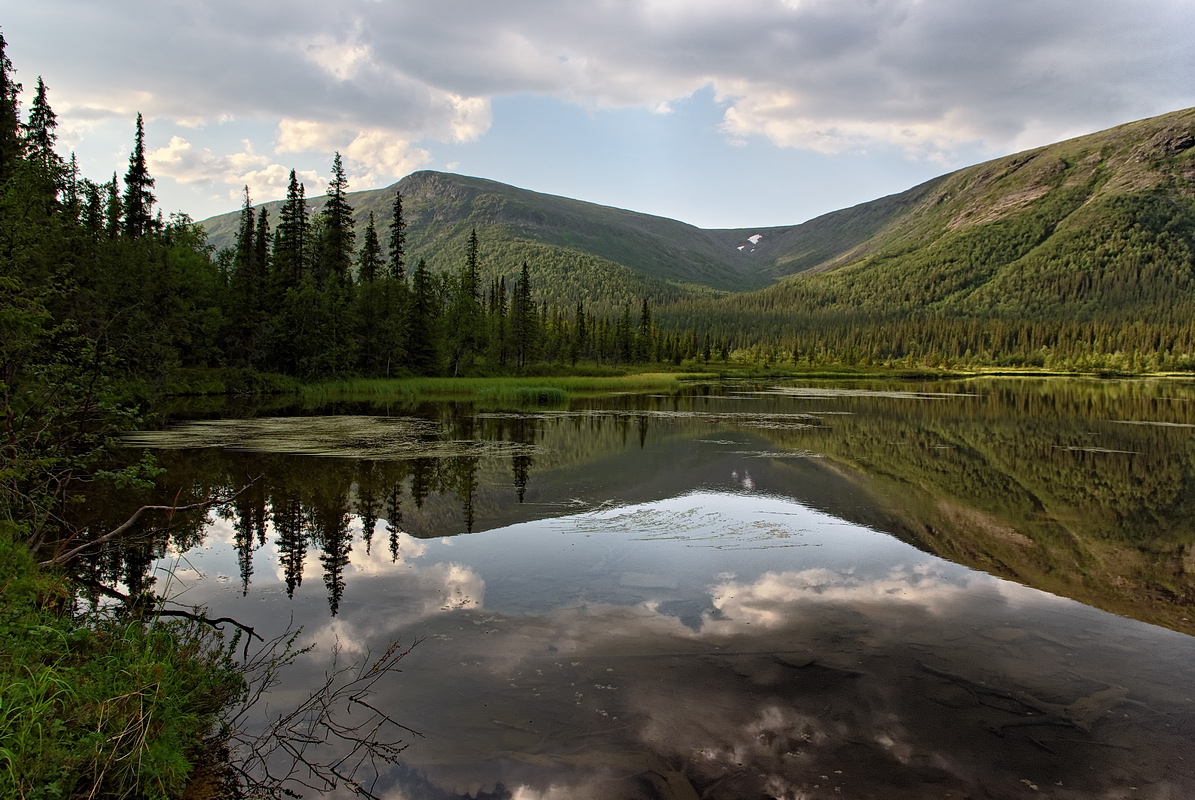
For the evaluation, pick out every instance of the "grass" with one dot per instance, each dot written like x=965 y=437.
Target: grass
x=519 y=391
x=98 y=705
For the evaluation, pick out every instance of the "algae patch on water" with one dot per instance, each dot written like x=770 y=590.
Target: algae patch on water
x=341 y=436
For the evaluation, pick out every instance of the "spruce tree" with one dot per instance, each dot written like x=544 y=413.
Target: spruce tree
x=369 y=261
x=138 y=199
x=398 y=240
x=245 y=235
x=524 y=320
x=261 y=242
x=471 y=285
x=113 y=208
x=643 y=336
x=41 y=132
x=336 y=237
x=290 y=240
x=465 y=323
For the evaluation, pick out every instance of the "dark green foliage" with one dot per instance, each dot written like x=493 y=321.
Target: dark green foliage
x=423 y=336
x=11 y=142
x=101 y=707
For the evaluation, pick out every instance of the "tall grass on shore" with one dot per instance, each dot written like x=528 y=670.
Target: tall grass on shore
x=521 y=392
x=97 y=705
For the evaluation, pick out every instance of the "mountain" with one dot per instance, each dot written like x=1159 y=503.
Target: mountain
x=576 y=250
x=1099 y=225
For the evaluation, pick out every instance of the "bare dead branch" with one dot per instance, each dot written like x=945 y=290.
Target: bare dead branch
x=315 y=745
x=194 y=616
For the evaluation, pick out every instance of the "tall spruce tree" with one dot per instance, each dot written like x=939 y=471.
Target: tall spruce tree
x=524 y=320
x=41 y=131
x=246 y=290
x=290 y=238
x=138 y=197
x=337 y=238
x=369 y=260
x=423 y=353
x=113 y=208
x=465 y=323
x=398 y=240
x=261 y=242
x=470 y=287
x=245 y=236
x=644 y=335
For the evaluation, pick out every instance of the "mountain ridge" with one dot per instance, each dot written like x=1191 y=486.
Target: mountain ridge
x=971 y=238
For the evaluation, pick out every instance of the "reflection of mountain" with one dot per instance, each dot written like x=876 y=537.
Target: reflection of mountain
x=1040 y=481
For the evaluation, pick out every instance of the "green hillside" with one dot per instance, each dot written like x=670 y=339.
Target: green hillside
x=1075 y=255
x=1102 y=224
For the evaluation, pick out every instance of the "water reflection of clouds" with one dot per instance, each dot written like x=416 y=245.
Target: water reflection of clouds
x=577 y=656
x=776 y=597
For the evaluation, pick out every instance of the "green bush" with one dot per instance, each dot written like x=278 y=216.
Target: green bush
x=95 y=705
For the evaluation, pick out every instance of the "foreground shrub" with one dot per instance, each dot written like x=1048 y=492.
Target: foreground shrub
x=96 y=704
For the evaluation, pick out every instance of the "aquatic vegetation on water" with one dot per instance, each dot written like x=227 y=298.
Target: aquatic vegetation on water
x=344 y=437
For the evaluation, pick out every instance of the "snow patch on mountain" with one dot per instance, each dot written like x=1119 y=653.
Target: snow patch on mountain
x=752 y=241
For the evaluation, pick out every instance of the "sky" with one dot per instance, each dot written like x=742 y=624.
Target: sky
x=720 y=113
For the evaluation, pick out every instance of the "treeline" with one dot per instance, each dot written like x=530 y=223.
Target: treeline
x=306 y=295
x=307 y=301
x=1077 y=281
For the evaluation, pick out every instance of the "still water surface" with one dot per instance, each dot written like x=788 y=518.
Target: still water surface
x=970 y=589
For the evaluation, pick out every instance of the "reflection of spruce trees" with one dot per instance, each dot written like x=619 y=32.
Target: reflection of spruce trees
x=331 y=530
x=368 y=501
x=462 y=470
x=394 y=517
x=249 y=527
x=243 y=536
x=522 y=431
x=463 y=475
x=423 y=473
x=292 y=541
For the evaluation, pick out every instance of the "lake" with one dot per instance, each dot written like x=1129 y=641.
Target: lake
x=978 y=588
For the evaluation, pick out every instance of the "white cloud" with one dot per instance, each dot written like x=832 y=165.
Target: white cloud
x=180 y=161
x=372 y=156
x=826 y=75
x=385 y=82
